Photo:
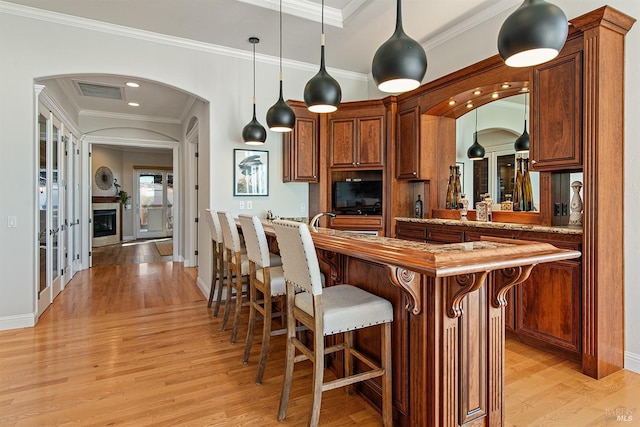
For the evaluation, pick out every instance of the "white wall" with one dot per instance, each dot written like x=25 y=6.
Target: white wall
x=39 y=49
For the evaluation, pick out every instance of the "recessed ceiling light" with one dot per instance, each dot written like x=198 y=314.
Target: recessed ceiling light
x=132 y=84
x=495 y=95
x=469 y=105
x=477 y=92
x=452 y=102
x=134 y=104
x=506 y=85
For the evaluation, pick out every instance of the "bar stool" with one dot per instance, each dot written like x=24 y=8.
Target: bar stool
x=237 y=265
x=264 y=277
x=218 y=269
x=339 y=309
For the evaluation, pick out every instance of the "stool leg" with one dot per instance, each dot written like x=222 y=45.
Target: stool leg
x=348 y=358
x=252 y=313
x=291 y=352
x=318 y=377
x=266 y=337
x=236 y=317
x=214 y=272
x=221 y=276
x=227 y=305
x=387 y=409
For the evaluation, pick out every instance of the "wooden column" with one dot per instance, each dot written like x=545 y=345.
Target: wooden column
x=603 y=145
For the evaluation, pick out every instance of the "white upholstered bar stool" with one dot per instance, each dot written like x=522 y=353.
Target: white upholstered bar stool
x=237 y=271
x=339 y=309
x=265 y=277
x=217 y=271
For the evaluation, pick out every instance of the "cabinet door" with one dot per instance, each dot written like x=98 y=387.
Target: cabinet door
x=370 y=141
x=411 y=231
x=557 y=95
x=548 y=304
x=408 y=144
x=300 y=149
x=342 y=139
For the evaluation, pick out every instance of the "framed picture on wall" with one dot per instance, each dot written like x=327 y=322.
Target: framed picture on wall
x=250 y=173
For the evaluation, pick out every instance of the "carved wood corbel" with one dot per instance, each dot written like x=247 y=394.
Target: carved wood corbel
x=514 y=276
x=409 y=282
x=458 y=287
x=332 y=259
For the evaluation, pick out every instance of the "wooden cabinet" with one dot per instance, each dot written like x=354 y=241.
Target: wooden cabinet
x=545 y=310
x=300 y=148
x=556 y=140
x=408 y=164
x=358 y=223
x=356 y=137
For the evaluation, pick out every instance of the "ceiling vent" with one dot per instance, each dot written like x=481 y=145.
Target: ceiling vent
x=98 y=90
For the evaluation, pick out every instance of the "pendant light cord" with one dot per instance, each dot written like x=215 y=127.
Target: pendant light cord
x=280 y=40
x=322 y=23
x=254 y=77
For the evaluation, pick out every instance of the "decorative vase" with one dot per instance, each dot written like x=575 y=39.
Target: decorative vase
x=575 y=217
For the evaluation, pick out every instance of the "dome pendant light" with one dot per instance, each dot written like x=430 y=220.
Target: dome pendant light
x=522 y=143
x=280 y=117
x=476 y=151
x=533 y=34
x=400 y=63
x=322 y=93
x=254 y=133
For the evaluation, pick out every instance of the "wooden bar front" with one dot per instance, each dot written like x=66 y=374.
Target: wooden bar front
x=448 y=328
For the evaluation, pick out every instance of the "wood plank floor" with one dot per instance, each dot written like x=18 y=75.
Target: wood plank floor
x=135 y=345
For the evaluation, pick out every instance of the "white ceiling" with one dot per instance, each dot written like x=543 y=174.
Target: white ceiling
x=354 y=30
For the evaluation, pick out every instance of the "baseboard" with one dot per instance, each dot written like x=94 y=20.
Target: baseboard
x=204 y=288
x=128 y=238
x=632 y=361
x=17 y=322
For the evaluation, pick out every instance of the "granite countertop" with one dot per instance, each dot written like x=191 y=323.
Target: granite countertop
x=495 y=225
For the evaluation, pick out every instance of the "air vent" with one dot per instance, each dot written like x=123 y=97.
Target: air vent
x=100 y=91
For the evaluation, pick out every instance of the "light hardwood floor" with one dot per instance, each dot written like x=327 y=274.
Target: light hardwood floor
x=136 y=345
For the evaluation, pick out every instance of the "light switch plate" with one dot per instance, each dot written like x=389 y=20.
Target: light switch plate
x=241 y=205
x=12 y=222
x=249 y=204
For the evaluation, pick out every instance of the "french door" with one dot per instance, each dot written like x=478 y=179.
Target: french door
x=51 y=196
x=153 y=203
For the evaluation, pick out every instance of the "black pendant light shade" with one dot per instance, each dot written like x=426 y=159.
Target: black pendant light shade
x=533 y=34
x=280 y=117
x=476 y=151
x=400 y=64
x=522 y=143
x=254 y=133
x=322 y=93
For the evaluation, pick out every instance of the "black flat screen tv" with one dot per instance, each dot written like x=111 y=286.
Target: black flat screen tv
x=357 y=197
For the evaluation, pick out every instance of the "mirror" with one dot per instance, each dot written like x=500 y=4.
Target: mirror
x=499 y=124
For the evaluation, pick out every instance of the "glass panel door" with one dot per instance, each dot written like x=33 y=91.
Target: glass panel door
x=154 y=203
x=55 y=208
x=42 y=202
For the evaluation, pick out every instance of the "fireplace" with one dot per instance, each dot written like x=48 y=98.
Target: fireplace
x=104 y=222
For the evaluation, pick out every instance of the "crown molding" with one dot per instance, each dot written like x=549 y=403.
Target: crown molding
x=122 y=31
x=133 y=117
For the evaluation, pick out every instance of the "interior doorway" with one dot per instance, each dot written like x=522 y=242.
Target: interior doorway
x=153 y=203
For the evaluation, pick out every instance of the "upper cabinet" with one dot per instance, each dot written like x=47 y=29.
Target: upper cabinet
x=356 y=136
x=300 y=161
x=556 y=142
x=408 y=159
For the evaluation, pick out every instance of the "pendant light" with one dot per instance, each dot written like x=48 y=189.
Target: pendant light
x=522 y=143
x=533 y=34
x=476 y=151
x=400 y=63
x=322 y=93
x=254 y=133
x=280 y=117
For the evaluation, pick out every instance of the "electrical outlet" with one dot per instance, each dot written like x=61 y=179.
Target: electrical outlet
x=249 y=204
x=303 y=208
x=12 y=222
x=556 y=209
x=241 y=205
x=565 y=211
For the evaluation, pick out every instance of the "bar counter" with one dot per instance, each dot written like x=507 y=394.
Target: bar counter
x=448 y=329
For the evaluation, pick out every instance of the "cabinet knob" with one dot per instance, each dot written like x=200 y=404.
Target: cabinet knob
x=533 y=162
x=415 y=173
